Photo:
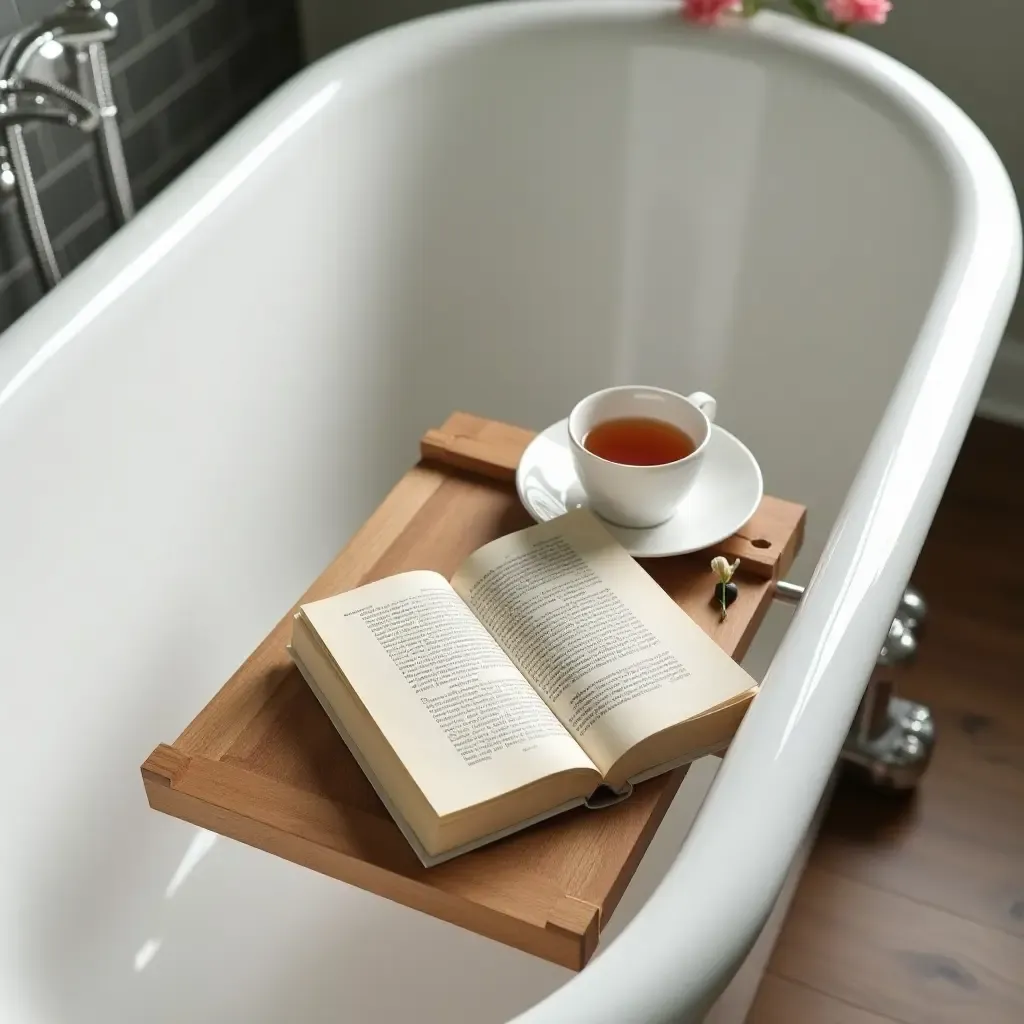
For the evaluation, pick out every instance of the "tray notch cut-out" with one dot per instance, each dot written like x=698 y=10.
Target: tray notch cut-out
x=262 y=764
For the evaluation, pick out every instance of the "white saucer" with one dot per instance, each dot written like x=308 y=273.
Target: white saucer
x=723 y=499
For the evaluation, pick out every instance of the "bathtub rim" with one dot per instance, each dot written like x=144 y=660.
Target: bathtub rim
x=59 y=317
x=791 y=737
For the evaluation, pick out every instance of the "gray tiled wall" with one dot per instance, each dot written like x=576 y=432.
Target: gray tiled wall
x=184 y=71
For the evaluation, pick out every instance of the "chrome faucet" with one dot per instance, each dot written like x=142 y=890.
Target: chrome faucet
x=78 y=24
x=26 y=99
x=81 y=27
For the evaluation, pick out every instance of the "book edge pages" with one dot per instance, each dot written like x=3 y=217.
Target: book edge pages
x=426 y=859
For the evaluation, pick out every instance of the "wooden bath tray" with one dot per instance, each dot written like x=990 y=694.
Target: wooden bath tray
x=262 y=764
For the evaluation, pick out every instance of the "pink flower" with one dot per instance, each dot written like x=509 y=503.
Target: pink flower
x=707 y=12
x=846 y=12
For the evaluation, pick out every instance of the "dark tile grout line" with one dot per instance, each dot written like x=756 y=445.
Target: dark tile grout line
x=149 y=113
x=71 y=163
x=200 y=71
x=177 y=28
x=87 y=152
x=146 y=19
x=69 y=234
x=99 y=211
x=136 y=119
x=189 y=145
x=84 y=222
x=13 y=276
x=196 y=139
x=154 y=38
x=177 y=139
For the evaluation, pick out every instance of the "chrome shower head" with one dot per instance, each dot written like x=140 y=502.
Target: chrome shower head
x=76 y=26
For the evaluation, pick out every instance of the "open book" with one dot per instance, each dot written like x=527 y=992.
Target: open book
x=551 y=671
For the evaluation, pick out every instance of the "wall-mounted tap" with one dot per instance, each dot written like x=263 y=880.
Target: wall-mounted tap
x=23 y=100
x=78 y=25
x=81 y=28
x=26 y=100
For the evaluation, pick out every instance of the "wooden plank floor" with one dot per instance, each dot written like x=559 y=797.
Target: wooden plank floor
x=912 y=910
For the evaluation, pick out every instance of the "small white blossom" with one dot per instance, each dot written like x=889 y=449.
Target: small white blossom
x=722 y=569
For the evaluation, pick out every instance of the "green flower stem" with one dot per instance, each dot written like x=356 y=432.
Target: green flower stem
x=750 y=8
x=809 y=9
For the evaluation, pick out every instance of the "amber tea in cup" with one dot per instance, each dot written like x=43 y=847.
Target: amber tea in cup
x=637 y=450
x=638 y=441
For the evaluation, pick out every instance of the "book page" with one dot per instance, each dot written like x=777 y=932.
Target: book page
x=611 y=653
x=449 y=701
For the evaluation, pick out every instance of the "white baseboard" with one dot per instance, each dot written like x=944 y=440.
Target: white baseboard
x=1003 y=397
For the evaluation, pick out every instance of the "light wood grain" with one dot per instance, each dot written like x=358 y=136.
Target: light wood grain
x=259 y=677
x=262 y=763
x=482 y=446
x=780 y=1001
x=494 y=449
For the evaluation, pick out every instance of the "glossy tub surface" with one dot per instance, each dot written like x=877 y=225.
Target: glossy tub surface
x=498 y=209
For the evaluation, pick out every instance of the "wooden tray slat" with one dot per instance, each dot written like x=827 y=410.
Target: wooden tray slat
x=769 y=540
x=262 y=764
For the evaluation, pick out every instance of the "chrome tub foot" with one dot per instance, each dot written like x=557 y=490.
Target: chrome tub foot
x=892 y=738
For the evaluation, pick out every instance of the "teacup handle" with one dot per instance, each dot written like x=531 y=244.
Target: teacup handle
x=705 y=403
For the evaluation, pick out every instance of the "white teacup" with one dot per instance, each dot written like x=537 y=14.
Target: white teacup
x=639 y=496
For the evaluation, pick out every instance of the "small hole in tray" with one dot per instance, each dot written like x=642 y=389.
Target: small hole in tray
x=761 y=543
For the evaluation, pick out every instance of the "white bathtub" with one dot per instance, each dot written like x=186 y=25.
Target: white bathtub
x=496 y=210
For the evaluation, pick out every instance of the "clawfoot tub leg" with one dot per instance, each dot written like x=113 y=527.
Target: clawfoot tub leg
x=891 y=741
